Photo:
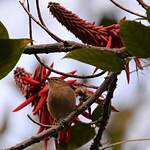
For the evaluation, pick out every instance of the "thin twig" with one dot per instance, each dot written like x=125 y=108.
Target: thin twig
x=30 y=24
x=143 y=4
x=68 y=75
x=43 y=27
x=105 y=115
x=39 y=13
x=64 y=123
x=123 y=142
x=38 y=123
x=127 y=10
x=85 y=85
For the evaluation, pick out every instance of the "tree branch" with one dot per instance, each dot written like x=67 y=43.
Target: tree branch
x=105 y=115
x=42 y=26
x=64 y=123
x=143 y=4
x=127 y=10
x=66 y=74
x=69 y=46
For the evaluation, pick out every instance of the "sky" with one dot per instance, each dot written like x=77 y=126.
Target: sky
x=15 y=20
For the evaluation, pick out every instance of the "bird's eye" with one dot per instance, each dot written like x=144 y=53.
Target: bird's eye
x=56 y=79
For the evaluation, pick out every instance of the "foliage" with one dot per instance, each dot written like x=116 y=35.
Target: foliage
x=101 y=59
x=10 y=51
x=136 y=38
x=78 y=139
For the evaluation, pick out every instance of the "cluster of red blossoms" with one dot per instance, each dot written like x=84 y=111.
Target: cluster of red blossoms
x=103 y=36
x=35 y=88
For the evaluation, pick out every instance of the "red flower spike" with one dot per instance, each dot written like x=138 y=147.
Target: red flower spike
x=71 y=72
x=65 y=136
x=109 y=42
x=49 y=72
x=31 y=81
x=37 y=73
x=40 y=129
x=86 y=115
x=138 y=63
x=46 y=144
x=25 y=103
x=23 y=85
x=43 y=73
x=44 y=90
x=40 y=103
x=42 y=120
x=71 y=82
x=85 y=31
x=126 y=66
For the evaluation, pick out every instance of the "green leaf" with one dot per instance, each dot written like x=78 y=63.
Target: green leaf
x=136 y=38
x=10 y=52
x=97 y=112
x=3 y=32
x=102 y=59
x=81 y=134
x=148 y=13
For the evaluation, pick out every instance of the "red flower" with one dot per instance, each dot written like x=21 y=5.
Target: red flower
x=104 y=36
x=35 y=89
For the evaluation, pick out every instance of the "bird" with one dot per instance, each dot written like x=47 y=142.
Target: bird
x=61 y=98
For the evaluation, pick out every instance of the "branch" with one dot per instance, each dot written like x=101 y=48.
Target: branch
x=123 y=142
x=69 y=46
x=42 y=26
x=143 y=4
x=64 y=123
x=30 y=24
x=127 y=10
x=82 y=84
x=39 y=13
x=66 y=74
x=105 y=115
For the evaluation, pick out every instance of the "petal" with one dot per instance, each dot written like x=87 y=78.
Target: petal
x=48 y=71
x=109 y=42
x=71 y=72
x=44 y=90
x=71 y=82
x=46 y=143
x=43 y=73
x=40 y=103
x=31 y=81
x=25 y=103
x=86 y=115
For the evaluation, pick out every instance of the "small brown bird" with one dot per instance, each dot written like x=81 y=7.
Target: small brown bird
x=61 y=98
